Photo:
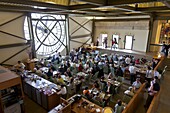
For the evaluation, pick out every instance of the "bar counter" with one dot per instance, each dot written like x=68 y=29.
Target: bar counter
x=41 y=91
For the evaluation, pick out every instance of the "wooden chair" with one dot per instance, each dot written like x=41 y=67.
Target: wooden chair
x=94 y=78
x=127 y=74
x=70 y=91
x=106 y=70
x=126 y=99
x=120 y=79
x=102 y=86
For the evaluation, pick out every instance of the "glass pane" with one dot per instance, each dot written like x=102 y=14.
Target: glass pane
x=128 y=42
x=49 y=33
x=26 y=29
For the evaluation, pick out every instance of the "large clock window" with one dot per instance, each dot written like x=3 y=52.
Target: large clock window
x=49 y=33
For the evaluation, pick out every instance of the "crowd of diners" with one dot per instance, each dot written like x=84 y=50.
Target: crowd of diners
x=98 y=74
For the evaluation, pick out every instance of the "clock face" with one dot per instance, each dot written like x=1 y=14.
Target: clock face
x=49 y=34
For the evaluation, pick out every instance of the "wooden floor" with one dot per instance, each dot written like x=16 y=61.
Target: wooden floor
x=164 y=105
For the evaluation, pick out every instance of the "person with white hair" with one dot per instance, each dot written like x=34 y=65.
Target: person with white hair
x=136 y=84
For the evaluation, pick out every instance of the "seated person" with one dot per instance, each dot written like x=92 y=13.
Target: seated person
x=136 y=84
x=50 y=72
x=68 y=64
x=96 y=97
x=63 y=92
x=96 y=85
x=143 y=60
x=80 y=68
x=86 y=92
x=129 y=92
x=37 y=71
x=109 y=88
x=137 y=61
x=60 y=80
x=154 y=80
x=153 y=90
x=156 y=73
x=127 y=60
x=110 y=76
x=71 y=83
x=87 y=65
x=68 y=72
x=19 y=66
x=118 y=107
x=65 y=68
x=52 y=67
x=61 y=69
x=119 y=72
x=103 y=82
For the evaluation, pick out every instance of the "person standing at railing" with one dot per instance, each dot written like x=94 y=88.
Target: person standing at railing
x=153 y=90
x=118 y=107
x=149 y=76
x=132 y=70
x=165 y=49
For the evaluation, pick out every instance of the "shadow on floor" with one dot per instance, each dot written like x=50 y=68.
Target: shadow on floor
x=32 y=107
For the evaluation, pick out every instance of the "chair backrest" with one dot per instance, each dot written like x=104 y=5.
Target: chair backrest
x=95 y=75
x=51 y=79
x=74 y=71
x=116 y=89
x=96 y=102
x=106 y=69
x=126 y=99
x=91 y=64
x=102 y=86
x=45 y=76
x=89 y=77
x=55 y=81
x=69 y=91
x=56 y=66
x=120 y=79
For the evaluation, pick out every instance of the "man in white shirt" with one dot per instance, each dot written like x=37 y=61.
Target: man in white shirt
x=63 y=92
x=136 y=84
x=132 y=70
x=149 y=76
x=109 y=89
x=156 y=73
x=127 y=60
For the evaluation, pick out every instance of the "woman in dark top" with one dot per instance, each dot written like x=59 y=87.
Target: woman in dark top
x=96 y=85
x=68 y=72
x=119 y=72
x=50 y=72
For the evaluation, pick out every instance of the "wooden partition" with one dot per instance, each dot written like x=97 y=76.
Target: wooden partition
x=154 y=104
x=65 y=109
x=133 y=104
x=160 y=63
